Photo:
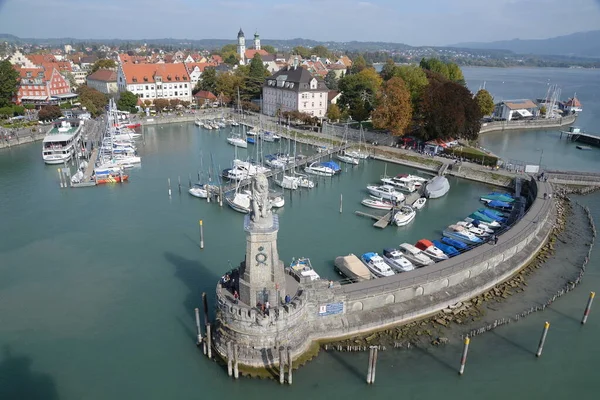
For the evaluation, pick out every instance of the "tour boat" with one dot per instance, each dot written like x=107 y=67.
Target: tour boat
x=353 y=268
x=237 y=142
x=457 y=244
x=396 y=260
x=60 y=143
x=317 y=168
x=347 y=159
x=447 y=249
x=303 y=267
x=386 y=192
x=404 y=216
x=430 y=250
x=376 y=265
x=461 y=233
x=377 y=203
x=414 y=255
x=419 y=203
x=437 y=187
x=484 y=228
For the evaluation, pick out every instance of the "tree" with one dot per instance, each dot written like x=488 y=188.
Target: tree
x=9 y=80
x=103 y=64
x=208 y=80
x=388 y=70
x=185 y=103
x=269 y=49
x=127 y=102
x=173 y=103
x=147 y=103
x=394 y=108
x=415 y=80
x=331 y=80
x=485 y=101
x=450 y=70
x=229 y=82
x=358 y=64
x=448 y=110
x=321 y=51
x=49 y=113
x=229 y=48
x=256 y=76
x=231 y=59
x=543 y=111
x=455 y=74
x=333 y=112
x=161 y=104
x=93 y=100
x=358 y=93
x=302 y=51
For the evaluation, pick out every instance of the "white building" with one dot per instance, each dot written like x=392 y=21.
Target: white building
x=241 y=47
x=516 y=109
x=19 y=59
x=103 y=80
x=294 y=89
x=155 y=81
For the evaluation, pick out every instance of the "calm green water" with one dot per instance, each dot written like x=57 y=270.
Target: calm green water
x=532 y=83
x=97 y=288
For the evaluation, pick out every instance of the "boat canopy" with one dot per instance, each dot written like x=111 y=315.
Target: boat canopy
x=332 y=164
x=389 y=251
x=423 y=244
x=457 y=244
x=369 y=256
x=499 y=204
x=449 y=250
x=353 y=266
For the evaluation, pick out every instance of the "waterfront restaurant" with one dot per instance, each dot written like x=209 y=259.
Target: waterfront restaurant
x=516 y=109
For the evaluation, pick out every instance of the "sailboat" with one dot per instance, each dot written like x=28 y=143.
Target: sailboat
x=236 y=139
x=359 y=153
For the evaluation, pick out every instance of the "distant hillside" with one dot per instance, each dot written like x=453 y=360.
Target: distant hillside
x=580 y=44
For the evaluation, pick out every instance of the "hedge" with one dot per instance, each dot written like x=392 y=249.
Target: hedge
x=476 y=158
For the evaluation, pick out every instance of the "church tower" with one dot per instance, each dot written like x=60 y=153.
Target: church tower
x=256 y=41
x=241 y=47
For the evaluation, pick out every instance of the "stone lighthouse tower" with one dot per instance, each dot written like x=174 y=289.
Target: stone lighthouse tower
x=256 y=41
x=241 y=47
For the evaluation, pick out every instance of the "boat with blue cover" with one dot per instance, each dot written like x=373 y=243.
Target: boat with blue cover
x=478 y=223
x=376 y=265
x=251 y=140
x=333 y=165
x=457 y=244
x=491 y=214
x=481 y=217
x=447 y=249
x=500 y=205
x=486 y=198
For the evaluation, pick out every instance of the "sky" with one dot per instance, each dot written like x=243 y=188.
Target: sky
x=417 y=23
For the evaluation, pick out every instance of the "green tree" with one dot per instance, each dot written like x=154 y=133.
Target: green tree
x=543 y=110
x=208 y=81
x=161 y=104
x=358 y=93
x=358 y=64
x=231 y=58
x=415 y=80
x=269 y=49
x=333 y=112
x=321 y=51
x=455 y=74
x=388 y=70
x=485 y=101
x=9 y=80
x=394 y=108
x=331 y=80
x=93 y=100
x=49 y=113
x=127 y=102
x=302 y=51
x=228 y=84
x=256 y=76
x=228 y=48
x=103 y=64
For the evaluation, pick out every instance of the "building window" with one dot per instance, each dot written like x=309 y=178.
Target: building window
x=313 y=104
x=146 y=87
x=313 y=95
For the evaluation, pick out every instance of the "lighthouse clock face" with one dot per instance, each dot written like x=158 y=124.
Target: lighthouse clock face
x=261 y=257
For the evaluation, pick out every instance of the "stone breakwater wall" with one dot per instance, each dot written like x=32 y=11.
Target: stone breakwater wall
x=321 y=313
x=566 y=289
x=533 y=124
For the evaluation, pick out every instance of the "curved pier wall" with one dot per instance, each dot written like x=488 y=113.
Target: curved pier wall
x=533 y=124
x=323 y=313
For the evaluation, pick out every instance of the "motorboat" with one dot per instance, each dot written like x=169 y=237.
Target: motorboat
x=202 y=190
x=419 y=203
x=303 y=267
x=237 y=142
x=386 y=192
x=61 y=142
x=414 y=255
x=486 y=227
x=400 y=185
x=322 y=149
x=317 y=168
x=415 y=179
x=353 y=268
x=430 y=250
x=347 y=159
x=198 y=122
x=240 y=202
x=476 y=231
x=252 y=132
x=111 y=179
x=482 y=227
x=457 y=244
x=483 y=218
x=492 y=214
x=447 y=249
x=305 y=182
x=376 y=265
x=478 y=222
x=461 y=233
x=377 y=203
x=437 y=187
x=287 y=182
x=333 y=165
x=277 y=201
x=404 y=216
x=497 y=196
x=270 y=137
x=396 y=260
x=500 y=205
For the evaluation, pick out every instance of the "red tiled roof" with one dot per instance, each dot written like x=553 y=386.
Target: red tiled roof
x=204 y=94
x=105 y=75
x=202 y=66
x=574 y=102
x=217 y=59
x=331 y=95
x=64 y=66
x=249 y=54
x=39 y=59
x=126 y=58
x=146 y=72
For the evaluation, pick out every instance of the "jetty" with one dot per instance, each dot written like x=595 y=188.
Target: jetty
x=575 y=135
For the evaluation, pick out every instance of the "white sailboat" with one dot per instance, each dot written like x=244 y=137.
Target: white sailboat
x=360 y=153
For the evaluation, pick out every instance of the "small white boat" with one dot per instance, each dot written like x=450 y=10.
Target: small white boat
x=491 y=225
x=404 y=216
x=396 y=260
x=305 y=182
x=415 y=255
x=198 y=123
x=419 y=203
x=252 y=132
x=303 y=267
x=482 y=227
x=377 y=203
x=430 y=250
x=376 y=265
x=404 y=186
x=317 y=169
x=237 y=141
x=233 y=123
x=287 y=182
x=461 y=233
x=357 y=154
x=240 y=202
x=347 y=159
x=277 y=201
x=200 y=190
x=386 y=192
x=415 y=179
x=322 y=149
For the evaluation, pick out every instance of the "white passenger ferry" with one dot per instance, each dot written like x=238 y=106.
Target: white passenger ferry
x=60 y=144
